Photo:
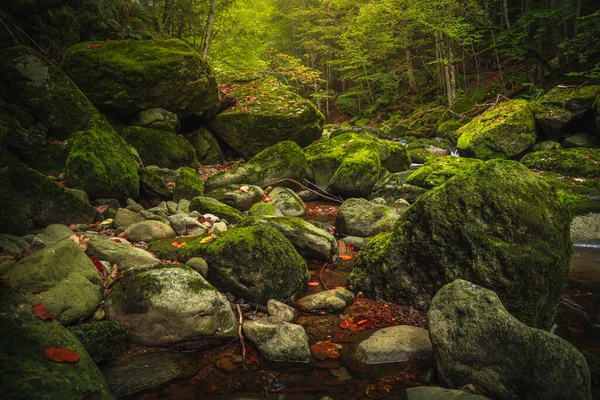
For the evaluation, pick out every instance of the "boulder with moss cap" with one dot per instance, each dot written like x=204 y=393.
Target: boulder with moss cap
x=555 y=110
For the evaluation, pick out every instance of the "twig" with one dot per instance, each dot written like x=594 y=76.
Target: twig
x=305 y=188
x=240 y=325
x=263 y=377
x=321 y=278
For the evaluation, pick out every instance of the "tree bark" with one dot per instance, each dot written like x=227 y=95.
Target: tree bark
x=169 y=5
x=209 y=25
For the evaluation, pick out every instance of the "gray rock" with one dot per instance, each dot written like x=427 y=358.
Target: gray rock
x=58 y=231
x=73 y=287
x=287 y=202
x=157 y=118
x=199 y=265
x=167 y=305
x=183 y=207
x=355 y=241
x=238 y=196
x=585 y=229
x=279 y=341
x=476 y=341
x=585 y=140
x=392 y=192
x=136 y=208
x=171 y=207
x=184 y=225
x=360 y=217
x=330 y=300
x=125 y=218
x=281 y=311
x=149 y=215
x=207 y=148
x=220 y=226
x=148 y=231
x=123 y=254
x=546 y=145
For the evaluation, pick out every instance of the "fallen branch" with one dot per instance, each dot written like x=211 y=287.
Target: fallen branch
x=299 y=389
x=240 y=335
x=306 y=188
x=321 y=278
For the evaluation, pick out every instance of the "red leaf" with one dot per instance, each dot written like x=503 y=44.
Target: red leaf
x=350 y=246
x=99 y=267
x=62 y=355
x=178 y=244
x=41 y=312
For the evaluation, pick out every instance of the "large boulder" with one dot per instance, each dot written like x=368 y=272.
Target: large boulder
x=158 y=184
x=438 y=170
x=148 y=231
x=13 y=218
x=583 y=163
x=124 y=77
x=157 y=118
x=287 y=202
x=476 y=341
x=281 y=161
x=206 y=146
x=555 y=110
x=500 y=226
x=25 y=370
x=501 y=132
x=266 y=114
x=62 y=278
x=254 y=263
x=168 y=305
x=360 y=217
x=160 y=148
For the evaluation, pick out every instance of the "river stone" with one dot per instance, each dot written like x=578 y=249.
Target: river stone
x=555 y=110
x=581 y=140
x=123 y=254
x=184 y=225
x=125 y=218
x=124 y=77
x=208 y=205
x=25 y=371
x=238 y=196
x=13 y=245
x=264 y=209
x=287 y=202
x=73 y=287
x=285 y=160
x=476 y=341
x=280 y=311
x=332 y=300
x=436 y=393
x=585 y=229
x=253 y=263
x=157 y=118
x=546 y=145
x=206 y=146
x=147 y=231
x=278 y=341
x=504 y=131
x=392 y=192
x=408 y=348
x=360 y=217
x=58 y=231
x=199 y=265
x=309 y=241
x=500 y=226
x=167 y=305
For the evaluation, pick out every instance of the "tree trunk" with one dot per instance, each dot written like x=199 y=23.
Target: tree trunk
x=169 y=5
x=505 y=14
x=410 y=71
x=209 y=25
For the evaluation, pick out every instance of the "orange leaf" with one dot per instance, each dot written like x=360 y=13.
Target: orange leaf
x=62 y=355
x=346 y=257
x=41 y=312
x=313 y=283
x=178 y=244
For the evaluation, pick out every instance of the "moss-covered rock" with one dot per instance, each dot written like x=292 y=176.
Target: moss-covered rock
x=283 y=160
x=360 y=217
x=583 y=163
x=206 y=146
x=392 y=191
x=208 y=205
x=26 y=372
x=188 y=184
x=103 y=340
x=476 y=341
x=438 y=170
x=546 y=145
x=287 y=202
x=13 y=218
x=264 y=209
x=157 y=147
x=501 y=132
x=500 y=226
x=255 y=263
x=240 y=197
x=422 y=150
x=585 y=140
x=266 y=114
x=559 y=107
x=124 y=77
x=157 y=118
x=175 y=298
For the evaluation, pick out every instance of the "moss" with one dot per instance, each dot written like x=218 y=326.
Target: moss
x=164 y=149
x=448 y=129
x=207 y=148
x=141 y=288
x=103 y=340
x=13 y=218
x=153 y=184
x=124 y=77
x=208 y=205
x=370 y=258
x=420 y=155
x=266 y=114
x=579 y=162
x=501 y=132
x=593 y=363
x=438 y=170
x=262 y=208
x=398 y=159
x=188 y=185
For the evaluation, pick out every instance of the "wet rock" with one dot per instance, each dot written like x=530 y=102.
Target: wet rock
x=208 y=205
x=280 y=311
x=70 y=285
x=279 y=341
x=184 y=225
x=120 y=252
x=238 y=196
x=476 y=341
x=330 y=300
x=157 y=118
x=148 y=231
x=287 y=202
x=360 y=217
x=167 y=305
x=125 y=218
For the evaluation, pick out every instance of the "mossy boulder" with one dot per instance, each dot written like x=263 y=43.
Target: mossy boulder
x=148 y=231
x=392 y=192
x=504 y=131
x=124 y=77
x=500 y=226
x=13 y=218
x=208 y=205
x=169 y=304
x=309 y=241
x=287 y=202
x=422 y=150
x=256 y=263
x=546 y=145
x=360 y=217
x=437 y=171
x=240 y=197
x=476 y=341
x=187 y=185
x=347 y=165
x=160 y=148
x=285 y=160
x=555 y=110
x=26 y=372
x=159 y=184
x=62 y=278
x=585 y=140
x=122 y=253
x=103 y=340
x=579 y=162
x=157 y=118
x=264 y=209
x=266 y=114
x=206 y=146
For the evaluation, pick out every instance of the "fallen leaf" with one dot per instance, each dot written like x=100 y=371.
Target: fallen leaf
x=347 y=257
x=106 y=222
x=244 y=189
x=209 y=239
x=313 y=283
x=226 y=365
x=211 y=388
x=266 y=199
x=41 y=312
x=178 y=244
x=325 y=349
x=171 y=185
x=102 y=209
x=80 y=240
x=62 y=355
